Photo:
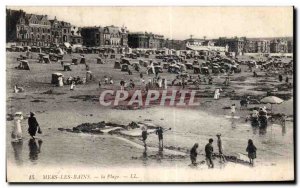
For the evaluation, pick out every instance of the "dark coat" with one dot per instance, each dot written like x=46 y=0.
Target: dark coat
x=209 y=150
x=33 y=125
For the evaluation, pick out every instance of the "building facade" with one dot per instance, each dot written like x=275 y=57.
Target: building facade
x=75 y=37
x=56 y=32
x=92 y=36
x=145 y=40
x=66 y=31
x=12 y=19
x=174 y=44
x=236 y=45
x=194 y=42
x=290 y=46
x=137 y=40
x=279 y=46
x=112 y=36
x=155 y=41
x=33 y=30
x=124 y=36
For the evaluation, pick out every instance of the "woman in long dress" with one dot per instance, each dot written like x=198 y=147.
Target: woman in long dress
x=60 y=81
x=17 y=129
x=217 y=94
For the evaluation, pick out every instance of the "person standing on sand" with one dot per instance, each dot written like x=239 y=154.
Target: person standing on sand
x=220 y=147
x=17 y=129
x=251 y=149
x=60 y=82
x=208 y=153
x=165 y=84
x=72 y=86
x=280 y=78
x=193 y=154
x=217 y=94
x=287 y=80
x=144 y=136
x=232 y=110
x=111 y=81
x=122 y=84
x=33 y=125
x=159 y=132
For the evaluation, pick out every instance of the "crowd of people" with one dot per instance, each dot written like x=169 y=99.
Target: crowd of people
x=209 y=152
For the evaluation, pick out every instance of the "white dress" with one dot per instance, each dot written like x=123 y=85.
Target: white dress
x=165 y=84
x=17 y=128
x=60 y=82
x=217 y=94
x=232 y=109
x=72 y=86
x=160 y=83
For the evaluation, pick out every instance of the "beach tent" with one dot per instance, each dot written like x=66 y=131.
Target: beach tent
x=67 y=45
x=82 y=60
x=112 y=56
x=99 y=61
x=67 y=67
x=204 y=70
x=125 y=61
x=196 y=69
x=55 y=77
x=189 y=65
x=174 y=69
x=165 y=65
x=46 y=59
x=124 y=67
x=117 y=65
x=23 y=65
x=75 y=61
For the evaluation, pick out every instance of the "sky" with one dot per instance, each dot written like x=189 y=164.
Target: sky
x=180 y=22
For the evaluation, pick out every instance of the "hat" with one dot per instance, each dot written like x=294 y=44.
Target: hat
x=18 y=113
x=218 y=134
x=32 y=113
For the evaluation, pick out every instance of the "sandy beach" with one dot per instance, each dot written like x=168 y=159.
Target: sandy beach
x=67 y=109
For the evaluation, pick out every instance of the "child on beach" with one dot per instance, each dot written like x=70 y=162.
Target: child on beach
x=159 y=132
x=194 y=153
x=144 y=136
x=251 y=149
x=232 y=110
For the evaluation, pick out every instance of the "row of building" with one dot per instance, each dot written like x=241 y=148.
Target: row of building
x=237 y=45
x=38 y=30
x=244 y=45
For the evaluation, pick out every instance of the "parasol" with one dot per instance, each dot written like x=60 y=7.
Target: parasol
x=271 y=100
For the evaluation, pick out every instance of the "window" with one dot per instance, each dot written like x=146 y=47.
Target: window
x=65 y=31
x=38 y=36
